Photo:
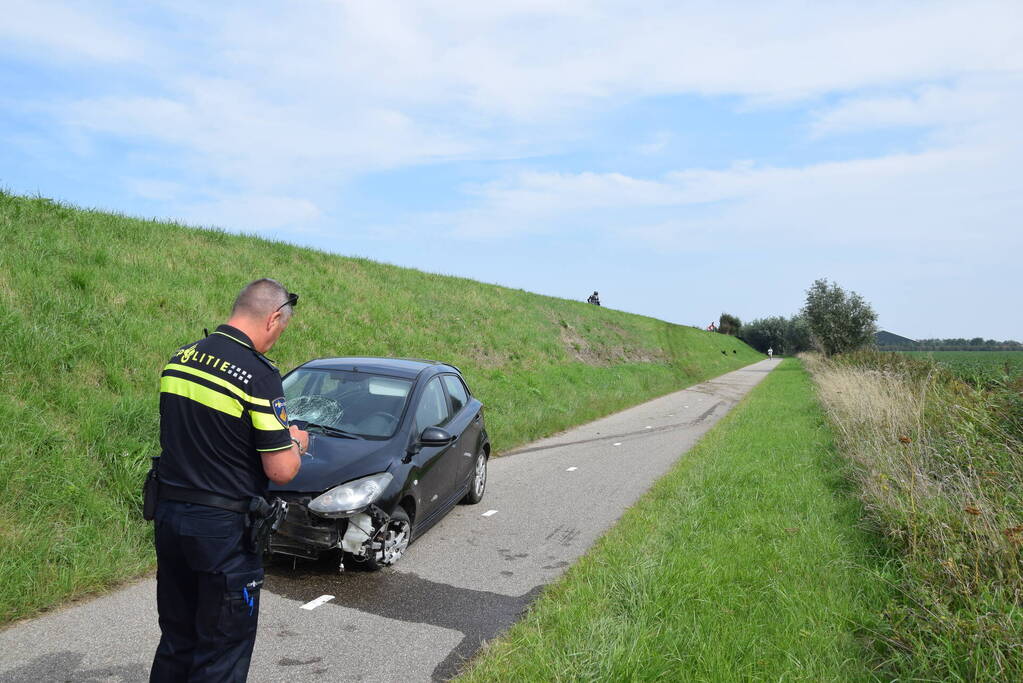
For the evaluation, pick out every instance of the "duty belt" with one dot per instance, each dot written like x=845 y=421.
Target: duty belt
x=186 y=495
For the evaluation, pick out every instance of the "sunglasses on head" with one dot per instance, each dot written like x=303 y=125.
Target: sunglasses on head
x=292 y=301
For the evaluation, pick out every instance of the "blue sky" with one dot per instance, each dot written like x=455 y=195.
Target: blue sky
x=684 y=159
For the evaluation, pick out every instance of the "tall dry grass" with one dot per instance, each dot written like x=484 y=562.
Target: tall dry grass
x=939 y=468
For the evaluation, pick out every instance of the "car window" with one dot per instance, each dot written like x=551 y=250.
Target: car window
x=301 y=382
x=456 y=390
x=433 y=406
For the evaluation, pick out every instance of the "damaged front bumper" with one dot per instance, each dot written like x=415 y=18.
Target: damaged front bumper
x=307 y=535
x=303 y=534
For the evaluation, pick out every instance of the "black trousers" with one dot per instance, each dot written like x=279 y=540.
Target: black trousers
x=207 y=593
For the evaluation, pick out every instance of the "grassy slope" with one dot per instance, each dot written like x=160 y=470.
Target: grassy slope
x=743 y=563
x=92 y=304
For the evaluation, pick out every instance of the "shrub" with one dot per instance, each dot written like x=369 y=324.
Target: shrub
x=729 y=324
x=838 y=322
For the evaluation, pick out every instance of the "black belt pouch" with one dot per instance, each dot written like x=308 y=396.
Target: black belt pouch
x=151 y=490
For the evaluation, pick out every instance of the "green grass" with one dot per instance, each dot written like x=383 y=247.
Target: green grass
x=92 y=305
x=743 y=563
x=980 y=368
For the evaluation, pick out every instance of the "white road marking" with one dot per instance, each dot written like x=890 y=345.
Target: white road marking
x=489 y=513
x=313 y=604
x=617 y=444
x=571 y=469
x=649 y=427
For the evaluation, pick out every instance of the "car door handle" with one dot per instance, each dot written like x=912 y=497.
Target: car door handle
x=477 y=418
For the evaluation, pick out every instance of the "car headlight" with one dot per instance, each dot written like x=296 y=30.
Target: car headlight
x=350 y=498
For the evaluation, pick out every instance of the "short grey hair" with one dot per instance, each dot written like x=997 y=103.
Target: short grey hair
x=260 y=298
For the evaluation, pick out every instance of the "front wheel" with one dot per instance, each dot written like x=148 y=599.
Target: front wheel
x=390 y=542
x=479 y=480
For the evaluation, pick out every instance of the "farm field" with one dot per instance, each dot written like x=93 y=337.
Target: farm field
x=977 y=367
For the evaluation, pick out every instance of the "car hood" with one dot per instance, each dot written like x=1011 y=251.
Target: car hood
x=332 y=460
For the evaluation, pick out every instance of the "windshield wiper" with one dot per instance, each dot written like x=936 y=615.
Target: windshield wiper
x=332 y=431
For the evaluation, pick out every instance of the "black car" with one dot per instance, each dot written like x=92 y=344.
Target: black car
x=394 y=444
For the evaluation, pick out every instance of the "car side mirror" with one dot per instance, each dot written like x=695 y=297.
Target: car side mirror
x=435 y=436
x=431 y=436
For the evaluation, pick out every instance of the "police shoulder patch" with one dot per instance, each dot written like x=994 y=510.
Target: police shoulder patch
x=280 y=410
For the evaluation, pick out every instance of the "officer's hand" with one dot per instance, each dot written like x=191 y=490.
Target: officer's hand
x=302 y=436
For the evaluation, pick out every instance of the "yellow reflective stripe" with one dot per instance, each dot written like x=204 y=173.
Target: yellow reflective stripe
x=265 y=421
x=275 y=448
x=211 y=398
x=220 y=381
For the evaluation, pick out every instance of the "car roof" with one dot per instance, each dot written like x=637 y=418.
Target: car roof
x=395 y=367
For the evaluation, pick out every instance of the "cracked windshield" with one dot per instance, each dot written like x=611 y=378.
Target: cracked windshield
x=357 y=403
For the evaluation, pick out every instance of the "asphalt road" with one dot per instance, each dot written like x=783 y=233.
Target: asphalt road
x=467 y=580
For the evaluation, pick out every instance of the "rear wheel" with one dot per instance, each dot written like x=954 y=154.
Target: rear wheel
x=478 y=484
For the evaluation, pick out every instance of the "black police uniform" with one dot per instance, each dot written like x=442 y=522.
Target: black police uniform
x=221 y=404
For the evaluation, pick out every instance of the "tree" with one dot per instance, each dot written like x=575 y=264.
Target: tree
x=788 y=336
x=797 y=335
x=838 y=321
x=766 y=333
x=729 y=324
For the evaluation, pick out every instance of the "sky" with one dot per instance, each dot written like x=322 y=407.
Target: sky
x=684 y=159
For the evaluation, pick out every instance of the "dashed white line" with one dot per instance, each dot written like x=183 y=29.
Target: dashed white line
x=488 y=513
x=617 y=444
x=313 y=604
x=649 y=427
x=571 y=469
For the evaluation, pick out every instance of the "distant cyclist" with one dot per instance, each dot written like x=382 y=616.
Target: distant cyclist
x=770 y=352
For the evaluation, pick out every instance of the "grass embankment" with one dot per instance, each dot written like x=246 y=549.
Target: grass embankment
x=743 y=563
x=93 y=304
x=939 y=464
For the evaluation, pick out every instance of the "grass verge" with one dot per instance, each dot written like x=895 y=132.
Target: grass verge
x=938 y=464
x=92 y=305
x=743 y=563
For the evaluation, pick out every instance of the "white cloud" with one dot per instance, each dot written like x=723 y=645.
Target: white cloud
x=60 y=30
x=332 y=88
x=961 y=196
x=249 y=213
x=971 y=104
x=228 y=130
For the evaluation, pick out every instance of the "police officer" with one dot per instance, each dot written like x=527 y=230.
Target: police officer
x=224 y=432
